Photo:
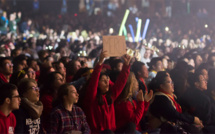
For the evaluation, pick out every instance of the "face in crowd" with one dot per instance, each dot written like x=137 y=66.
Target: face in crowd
x=104 y=83
x=158 y=66
x=72 y=96
x=14 y=101
x=143 y=72
x=32 y=93
x=168 y=85
x=7 y=67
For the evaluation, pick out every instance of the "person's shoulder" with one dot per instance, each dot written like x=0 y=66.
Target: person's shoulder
x=78 y=109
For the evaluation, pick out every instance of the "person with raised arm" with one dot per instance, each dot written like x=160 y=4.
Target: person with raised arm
x=101 y=94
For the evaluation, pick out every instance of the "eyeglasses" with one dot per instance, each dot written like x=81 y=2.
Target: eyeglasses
x=35 y=88
x=9 y=65
x=32 y=72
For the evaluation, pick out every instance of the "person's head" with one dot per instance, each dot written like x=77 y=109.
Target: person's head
x=16 y=52
x=197 y=59
x=9 y=96
x=203 y=70
x=73 y=67
x=199 y=80
x=147 y=54
x=59 y=67
x=116 y=65
x=20 y=62
x=52 y=82
x=32 y=63
x=30 y=72
x=6 y=66
x=156 y=64
x=165 y=62
x=103 y=84
x=28 y=89
x=170 y=65
x=162 y=82
x=17 y=77
x=67 y=93
x=43 y=54
x=130 y=88
x=140 y=70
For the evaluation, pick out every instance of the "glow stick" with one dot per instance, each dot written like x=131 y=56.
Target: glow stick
x=138 y=30
x=124 y=21
x=145 y=28
x=125 y=33
x=132 y=31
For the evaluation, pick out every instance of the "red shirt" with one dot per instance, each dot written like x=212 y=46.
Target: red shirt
x=102 y=117
x=127 y=112
x=7 y=123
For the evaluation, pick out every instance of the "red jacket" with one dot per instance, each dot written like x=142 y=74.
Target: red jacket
x=127 y=112
x=101 y=117
x=7 y=123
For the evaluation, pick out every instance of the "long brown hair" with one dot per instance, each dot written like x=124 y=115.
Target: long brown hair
x=126 y=92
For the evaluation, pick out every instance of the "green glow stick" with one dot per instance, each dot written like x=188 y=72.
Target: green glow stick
x=124 y=21
x=138 y=30
x=125 y=33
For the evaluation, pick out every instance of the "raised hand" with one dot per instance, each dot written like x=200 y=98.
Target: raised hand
x=140 y=96
x=148 y=96
x=102 y=57
x=197 y=121
x=127 y=59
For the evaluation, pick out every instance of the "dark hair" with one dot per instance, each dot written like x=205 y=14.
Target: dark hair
x=158 y=80
x=48 y=86
x=23 y=85
x=153 y=62
x=114 y=63
x=17 y=60
x=6 y=91
x=17 y=76
x=108 y=94
x=70 y=67
x=2 y=59
x=56 y=65
x=126 y=90
x=29 y=61
x=201 y=67
x=136 y=67
x=62 y=91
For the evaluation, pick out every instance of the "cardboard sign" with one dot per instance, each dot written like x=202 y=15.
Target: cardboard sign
x=114 y=45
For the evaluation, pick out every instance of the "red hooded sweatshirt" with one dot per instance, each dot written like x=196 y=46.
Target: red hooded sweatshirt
x=7 y=123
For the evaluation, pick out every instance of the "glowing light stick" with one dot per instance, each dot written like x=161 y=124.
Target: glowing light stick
x=132 y=31
x=125 y=33
x=145 y=28
x=124 y=21
x=138 y=30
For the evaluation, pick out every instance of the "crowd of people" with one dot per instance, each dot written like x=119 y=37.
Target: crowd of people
x=55 y=77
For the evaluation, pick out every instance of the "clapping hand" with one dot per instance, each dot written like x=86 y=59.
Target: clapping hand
x=148 y=96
